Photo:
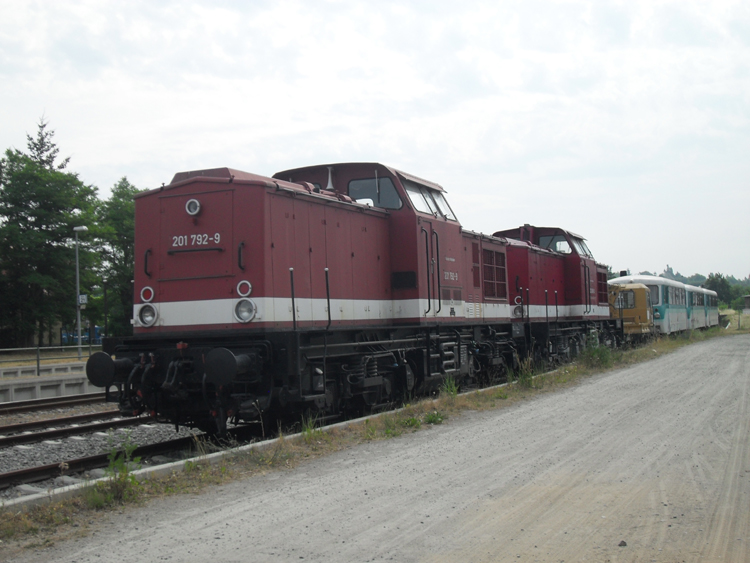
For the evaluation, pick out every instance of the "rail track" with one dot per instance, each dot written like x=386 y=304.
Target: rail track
x=70 y=467
x=16 y=407
x=81 y=465
x=16 y=434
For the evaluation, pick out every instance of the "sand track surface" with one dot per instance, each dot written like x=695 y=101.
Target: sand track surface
x=656 y=456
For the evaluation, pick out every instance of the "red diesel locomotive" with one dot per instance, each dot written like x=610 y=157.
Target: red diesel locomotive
x=336 y=289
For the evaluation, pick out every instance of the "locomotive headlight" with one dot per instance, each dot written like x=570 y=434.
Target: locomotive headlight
x=518 y=311
x=193 y=207
x=244 y=310
x=147 y=315
x=657 y=315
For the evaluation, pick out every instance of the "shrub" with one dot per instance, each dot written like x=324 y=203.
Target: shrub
x=597 y=357
x=433 y=417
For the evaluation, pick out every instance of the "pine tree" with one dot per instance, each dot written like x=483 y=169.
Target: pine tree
x=43 y=150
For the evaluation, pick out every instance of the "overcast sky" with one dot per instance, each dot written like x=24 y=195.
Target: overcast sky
x=625 y=122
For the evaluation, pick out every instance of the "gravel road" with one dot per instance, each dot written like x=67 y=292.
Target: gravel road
x=656 y=456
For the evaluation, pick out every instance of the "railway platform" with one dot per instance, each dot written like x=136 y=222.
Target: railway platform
x=55 y=381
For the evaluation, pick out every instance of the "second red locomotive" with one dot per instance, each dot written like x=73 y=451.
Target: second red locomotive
x=337 y=289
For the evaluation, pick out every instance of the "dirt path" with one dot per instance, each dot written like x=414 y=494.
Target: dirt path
x=657 y=456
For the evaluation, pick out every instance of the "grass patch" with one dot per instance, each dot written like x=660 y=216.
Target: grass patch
x=449 y=388
x=44 y=525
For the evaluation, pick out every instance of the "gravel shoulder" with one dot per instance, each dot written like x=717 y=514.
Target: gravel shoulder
x=656 y=456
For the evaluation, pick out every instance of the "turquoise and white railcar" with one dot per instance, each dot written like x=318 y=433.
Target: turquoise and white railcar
x=711 y=305
x=703 y=307
x=669 y=300
x=696 y=302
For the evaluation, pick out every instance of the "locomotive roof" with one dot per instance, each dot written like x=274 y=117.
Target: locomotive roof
x=394 y=171
x=229 y=173
x=515 y=233
x=223 y=173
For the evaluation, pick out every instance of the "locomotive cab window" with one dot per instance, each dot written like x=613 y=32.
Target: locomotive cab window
x=378 y=192
x=442 y=204
x=558 y=243
x=426 y=200
x=581 y=248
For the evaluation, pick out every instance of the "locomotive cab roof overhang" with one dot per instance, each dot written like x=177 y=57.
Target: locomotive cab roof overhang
x=286 y=174
x=550 y=239
x=530 y=233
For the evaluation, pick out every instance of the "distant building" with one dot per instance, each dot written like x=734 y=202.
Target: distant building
x=746 y=310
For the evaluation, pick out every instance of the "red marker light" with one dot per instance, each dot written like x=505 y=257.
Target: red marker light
x=147 y=294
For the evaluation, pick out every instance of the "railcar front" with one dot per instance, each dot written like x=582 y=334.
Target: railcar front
x=711 y=301
x=631 y=304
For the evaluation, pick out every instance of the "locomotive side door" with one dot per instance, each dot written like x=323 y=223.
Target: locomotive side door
x=429 y=263
x=432 y=258
x=440 y=245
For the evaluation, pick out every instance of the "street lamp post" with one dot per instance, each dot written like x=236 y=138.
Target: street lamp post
x=78 y=290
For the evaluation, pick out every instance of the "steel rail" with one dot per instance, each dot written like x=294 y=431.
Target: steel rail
x=14 y=407
x=78 y=418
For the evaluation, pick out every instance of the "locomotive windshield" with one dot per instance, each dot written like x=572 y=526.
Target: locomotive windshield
x=581 y=247
x=558 y=243
x=427 y=200
x=378 y=192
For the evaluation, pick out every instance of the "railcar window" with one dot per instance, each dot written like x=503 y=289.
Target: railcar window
x=625 y=300
x=558 y=243
x=382 y=192
x=654 y=289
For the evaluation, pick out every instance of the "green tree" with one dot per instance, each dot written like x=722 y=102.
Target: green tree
x=719 y=284
x=39 y=206
x=116 y=233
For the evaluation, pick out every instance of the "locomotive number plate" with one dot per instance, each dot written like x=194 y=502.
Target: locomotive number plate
x=195 y=240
